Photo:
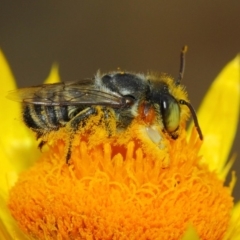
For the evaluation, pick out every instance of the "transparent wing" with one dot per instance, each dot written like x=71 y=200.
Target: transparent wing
x=81 y=92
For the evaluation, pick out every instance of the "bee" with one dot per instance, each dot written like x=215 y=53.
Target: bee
x=119 y=95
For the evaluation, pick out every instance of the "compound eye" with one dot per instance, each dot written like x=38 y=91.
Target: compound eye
x=170 y=111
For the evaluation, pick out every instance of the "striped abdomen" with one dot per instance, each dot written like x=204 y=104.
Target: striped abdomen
x=47 y=118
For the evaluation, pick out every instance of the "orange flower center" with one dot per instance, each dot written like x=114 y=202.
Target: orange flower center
x=121 y=187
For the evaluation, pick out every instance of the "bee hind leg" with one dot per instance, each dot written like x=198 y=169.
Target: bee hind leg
x=39 y=135
x=82 y=118
x=41 y=144
x=79 y=121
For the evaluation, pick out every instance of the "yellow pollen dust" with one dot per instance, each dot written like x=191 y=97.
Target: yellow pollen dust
x=121 y=187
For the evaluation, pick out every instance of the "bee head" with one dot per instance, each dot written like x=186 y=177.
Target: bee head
x=171 y=105
x=168 y=97
x=166 y=106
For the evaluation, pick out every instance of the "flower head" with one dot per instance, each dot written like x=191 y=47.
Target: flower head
x=126 y=187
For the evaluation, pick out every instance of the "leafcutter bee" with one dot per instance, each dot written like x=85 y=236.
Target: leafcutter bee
x=157 y=99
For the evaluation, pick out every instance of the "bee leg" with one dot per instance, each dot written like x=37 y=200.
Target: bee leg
x=41 y=144
x=39 y=134
x=79 y=121
x=108 y=117
x=69 y=153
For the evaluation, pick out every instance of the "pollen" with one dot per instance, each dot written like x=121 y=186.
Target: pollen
x=123 y=187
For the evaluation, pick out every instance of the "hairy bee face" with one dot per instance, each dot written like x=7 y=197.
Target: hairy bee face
x=167 y=107
x=156 y=100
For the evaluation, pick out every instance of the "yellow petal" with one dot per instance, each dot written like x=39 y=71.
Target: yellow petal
x=233 y=232
x=11 y=126
x=5 y=167
x=9 y=110
x=14 y=137
x=224 y=173
x=219 y=114
x=190 y=234
x=53 y=75
x=236 y=213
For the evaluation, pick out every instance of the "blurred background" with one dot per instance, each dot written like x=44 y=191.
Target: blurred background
x=84 y=36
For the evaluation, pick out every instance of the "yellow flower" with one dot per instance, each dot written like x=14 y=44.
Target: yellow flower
x=120 y=187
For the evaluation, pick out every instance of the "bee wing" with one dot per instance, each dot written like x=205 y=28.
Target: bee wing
x=81 y=92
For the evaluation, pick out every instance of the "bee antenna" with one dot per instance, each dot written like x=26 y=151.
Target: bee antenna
x=194 y=116
x=182 y=65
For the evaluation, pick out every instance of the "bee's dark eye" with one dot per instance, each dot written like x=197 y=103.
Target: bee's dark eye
x=170 y=111
x=129 y=100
